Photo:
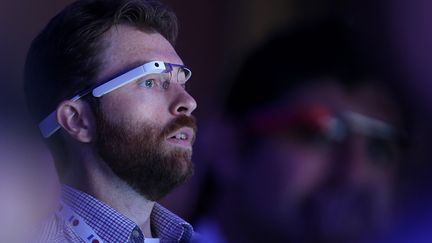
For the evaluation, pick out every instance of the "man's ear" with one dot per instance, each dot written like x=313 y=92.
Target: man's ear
x=77 y=119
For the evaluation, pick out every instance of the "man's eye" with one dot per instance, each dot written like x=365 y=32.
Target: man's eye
x=148 y=83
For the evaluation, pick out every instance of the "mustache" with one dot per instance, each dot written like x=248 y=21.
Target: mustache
x=179 y=122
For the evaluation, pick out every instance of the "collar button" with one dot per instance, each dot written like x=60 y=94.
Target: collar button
x=136 y=233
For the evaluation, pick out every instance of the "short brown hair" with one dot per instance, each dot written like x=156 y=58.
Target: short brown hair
x=64 y=57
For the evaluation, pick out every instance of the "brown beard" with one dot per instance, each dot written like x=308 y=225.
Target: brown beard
x=135 y=152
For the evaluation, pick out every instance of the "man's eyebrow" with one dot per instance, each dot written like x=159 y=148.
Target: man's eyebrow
x=135 y=64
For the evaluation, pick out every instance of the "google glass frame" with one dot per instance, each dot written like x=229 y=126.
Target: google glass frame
x=50 y=125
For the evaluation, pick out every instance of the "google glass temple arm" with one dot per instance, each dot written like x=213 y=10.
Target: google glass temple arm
x=49 y=125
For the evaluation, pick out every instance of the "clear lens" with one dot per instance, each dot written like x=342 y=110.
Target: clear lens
x=173 y=73
x=183 y=75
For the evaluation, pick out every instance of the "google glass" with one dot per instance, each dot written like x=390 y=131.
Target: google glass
x=163 y=72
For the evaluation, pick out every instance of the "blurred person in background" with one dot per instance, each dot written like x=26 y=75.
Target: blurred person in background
x=29 y=186
x=404 y=29
x=319 y=138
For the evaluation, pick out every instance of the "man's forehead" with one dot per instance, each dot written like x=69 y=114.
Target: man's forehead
x=127 y=47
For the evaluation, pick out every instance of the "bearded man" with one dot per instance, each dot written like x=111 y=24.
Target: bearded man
x=108 y=91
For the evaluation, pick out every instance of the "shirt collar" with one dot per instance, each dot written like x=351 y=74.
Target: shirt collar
x=111 y=225
x=167 y=225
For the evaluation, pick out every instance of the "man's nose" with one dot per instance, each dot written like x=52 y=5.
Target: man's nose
x=183 y=103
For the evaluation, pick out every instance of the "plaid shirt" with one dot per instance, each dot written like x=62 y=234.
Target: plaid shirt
x=111 y=226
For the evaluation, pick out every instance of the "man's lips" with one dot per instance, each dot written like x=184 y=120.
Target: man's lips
x=183 y=137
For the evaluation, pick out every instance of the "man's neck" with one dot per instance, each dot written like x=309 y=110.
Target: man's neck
x=98 y=180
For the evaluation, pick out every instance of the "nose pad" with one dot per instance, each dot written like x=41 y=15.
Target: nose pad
x=166 y=84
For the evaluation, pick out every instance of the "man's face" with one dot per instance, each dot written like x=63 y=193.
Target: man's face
x=145 y=134
x=333 y=188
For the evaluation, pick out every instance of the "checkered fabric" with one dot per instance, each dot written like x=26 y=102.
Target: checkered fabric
x=112 y=226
